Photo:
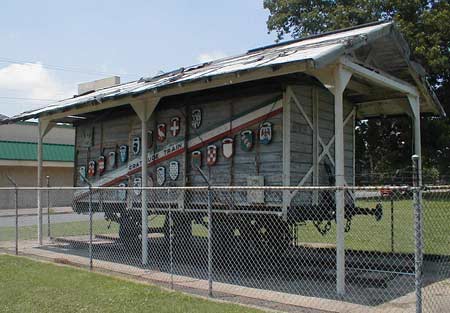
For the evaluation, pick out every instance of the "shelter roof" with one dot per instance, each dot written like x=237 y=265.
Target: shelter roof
x=301 y=55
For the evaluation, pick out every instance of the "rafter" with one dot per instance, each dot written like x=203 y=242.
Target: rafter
x=378 y=77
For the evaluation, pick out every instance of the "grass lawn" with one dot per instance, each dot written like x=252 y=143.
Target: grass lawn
x=365 y=234
x=30 y=286
x=370 y=235
x=60 y=229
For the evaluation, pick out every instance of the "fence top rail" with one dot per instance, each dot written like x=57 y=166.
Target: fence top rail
x=235 y=188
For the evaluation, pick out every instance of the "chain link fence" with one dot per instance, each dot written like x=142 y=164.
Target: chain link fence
x=269 y=243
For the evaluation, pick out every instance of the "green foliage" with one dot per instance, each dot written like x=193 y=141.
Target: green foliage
x=425 y=25
x=300 y=18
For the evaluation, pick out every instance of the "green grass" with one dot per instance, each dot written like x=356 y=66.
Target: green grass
x=30 y=286
x=365 y=234
x=60 y=229
x=370 y=235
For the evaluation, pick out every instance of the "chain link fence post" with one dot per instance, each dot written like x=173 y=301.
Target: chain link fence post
x=418 y=233
x=90 y=227
x=210 y=230
x=171 y=246
x=16 y=214
x=48 y=206
x=16 y=206
x=392 y=221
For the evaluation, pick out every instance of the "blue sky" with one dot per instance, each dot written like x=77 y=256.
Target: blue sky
x=128 y=38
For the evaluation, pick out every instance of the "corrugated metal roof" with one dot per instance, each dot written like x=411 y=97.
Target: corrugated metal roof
x=313 y=49
x=27 y=151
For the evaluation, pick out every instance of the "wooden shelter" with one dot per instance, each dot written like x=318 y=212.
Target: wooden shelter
x=277 y=115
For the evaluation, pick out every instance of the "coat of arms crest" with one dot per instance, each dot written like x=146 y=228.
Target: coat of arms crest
x=161 y=132
x=175 y=126
x=161 y=175
x=123 y=151
x=227 y=147
x=196 y=118
x=82 y=172
x=91 y=168
x=265 y=133
x=246 y=140
x=122 y=193
x=211 y=157
x=101 y=164
x=137 y=184
x=136 y=147
x=111 y=160
x=196 y=159
x=174 y=170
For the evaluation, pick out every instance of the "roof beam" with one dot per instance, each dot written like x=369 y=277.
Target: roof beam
x=374 y=108
x=379 y=77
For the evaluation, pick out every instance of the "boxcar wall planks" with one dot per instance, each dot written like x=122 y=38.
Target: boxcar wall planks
x=177 y=128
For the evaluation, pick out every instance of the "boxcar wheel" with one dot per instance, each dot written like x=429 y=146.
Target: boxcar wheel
x=130 y=229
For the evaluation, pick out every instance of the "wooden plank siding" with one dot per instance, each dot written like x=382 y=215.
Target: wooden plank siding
x=302 y=135
x=118 y=126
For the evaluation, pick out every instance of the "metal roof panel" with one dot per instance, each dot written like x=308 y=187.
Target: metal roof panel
x=312 y=48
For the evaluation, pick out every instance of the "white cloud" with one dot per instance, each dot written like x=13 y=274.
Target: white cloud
x=210 y=56
x=30 y=80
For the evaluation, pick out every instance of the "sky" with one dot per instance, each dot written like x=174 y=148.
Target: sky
x=48 y=47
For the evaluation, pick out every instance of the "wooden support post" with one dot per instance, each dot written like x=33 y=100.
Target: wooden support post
x=144 y=110
x=415 y=108
x=44 y=127
x=354 y=150
x=144 y=175
x=418 y=210
x=315 y=147
x=341 y=79
x=286 y=153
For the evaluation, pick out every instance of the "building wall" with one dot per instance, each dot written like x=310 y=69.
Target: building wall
x=27 y=177
x=28 y=132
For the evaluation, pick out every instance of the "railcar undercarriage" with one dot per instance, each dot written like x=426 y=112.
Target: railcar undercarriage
x=261 y=224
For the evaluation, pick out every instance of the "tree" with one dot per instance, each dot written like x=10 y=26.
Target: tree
x=424 y=24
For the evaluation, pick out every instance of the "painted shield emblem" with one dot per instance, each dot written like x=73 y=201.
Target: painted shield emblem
x=196 y=118
x=227 y=147
x=161 y=135
x=265 y=133
x=175 y=126
x=101 y=164
x=111 y=159
x=123 y=151
x=160 y=175
x=137 y=183
x=246 y=140
x=91 y=168
x=174 y=170
x=122 y=193
x=211 y=157
x=82 y=172
x=136 y=147
x=196 y=159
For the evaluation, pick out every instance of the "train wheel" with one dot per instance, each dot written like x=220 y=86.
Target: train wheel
x=130 y=230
